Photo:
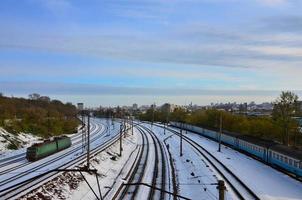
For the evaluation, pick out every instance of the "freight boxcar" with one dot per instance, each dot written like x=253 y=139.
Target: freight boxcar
x=41 y=150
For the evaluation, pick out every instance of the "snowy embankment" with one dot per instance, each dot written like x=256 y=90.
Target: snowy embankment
x=265 y=181
x=194 y=177
x=10 y=142
x=110 y=167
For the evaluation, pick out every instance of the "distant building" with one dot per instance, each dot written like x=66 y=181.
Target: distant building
x=243 y=108
x=80 y=106
x=135 y=106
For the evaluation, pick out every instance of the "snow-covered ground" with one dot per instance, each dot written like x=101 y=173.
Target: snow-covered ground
x=193 y=176
x=111 y=170
x=26 y=170
x=20 y=141
x=265 y=181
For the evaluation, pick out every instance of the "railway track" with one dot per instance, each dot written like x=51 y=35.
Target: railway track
x=10 y=159
x=136 y=175
x=159 y=174
x=25 y=163
x=240 y=189
x=4 y=160
x=139 y=167
x=21 y=157
x=38 y=165
x=30 y=184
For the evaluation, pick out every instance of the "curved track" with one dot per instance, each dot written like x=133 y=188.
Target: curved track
x=136 y=175
x=240 y=189
x=10 y=187
x=18 y=157
x=141 y=167
x=159 y=174
x=75 y=142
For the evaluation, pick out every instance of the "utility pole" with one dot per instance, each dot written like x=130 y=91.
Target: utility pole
x=121 y=148
x=132 y=125
x=220 y=132
x=180 y=153
x=48 y=123
x=108 y=128
x=84 y=133
x=88 y=142
x=167 y=121
x=82 y=130
x=125 y=127
x=221 y=188
x=153 y=106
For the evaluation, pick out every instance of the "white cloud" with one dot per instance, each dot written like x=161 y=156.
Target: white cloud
x=273 y=2
x=55 y=6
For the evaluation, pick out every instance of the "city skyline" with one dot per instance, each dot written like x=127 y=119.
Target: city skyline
x=96 y=101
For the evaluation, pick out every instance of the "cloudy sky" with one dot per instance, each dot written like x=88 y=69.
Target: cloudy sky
x=124 y=51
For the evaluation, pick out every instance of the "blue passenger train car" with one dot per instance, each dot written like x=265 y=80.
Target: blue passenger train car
x=286 y=158
x=272 y=153
x=254 y=146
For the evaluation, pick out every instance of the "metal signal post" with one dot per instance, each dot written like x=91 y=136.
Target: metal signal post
x=88 y=141
x=180 y=153
x=121 y=148
x=220 y=132
x=132 y=125
x=221 y=189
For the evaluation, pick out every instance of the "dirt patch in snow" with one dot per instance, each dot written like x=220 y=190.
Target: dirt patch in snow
x=50 y=190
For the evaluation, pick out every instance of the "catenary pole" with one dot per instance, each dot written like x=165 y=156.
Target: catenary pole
x=220 y=132
x=121 y=148
x=221 y=189
x=180 y=150
x=88 y=142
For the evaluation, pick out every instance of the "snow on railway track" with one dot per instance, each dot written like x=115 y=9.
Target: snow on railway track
x=10 y=158
x=159 y=174
x=23 y=162
x=14 y=162
x=137 y=172
x=239 y=188
x=15 y=181
x=149 y=167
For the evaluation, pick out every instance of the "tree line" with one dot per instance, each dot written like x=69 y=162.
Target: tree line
x=38 y=115
x=281 y=126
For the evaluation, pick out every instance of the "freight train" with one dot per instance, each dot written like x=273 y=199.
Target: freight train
x=49 y=147
x=272 y=153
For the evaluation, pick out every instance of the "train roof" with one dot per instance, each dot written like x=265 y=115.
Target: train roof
x=60 y=137
x=42 y=143
x=289 y=151
x=257 y=141
x=231 y=133
x=49 y=141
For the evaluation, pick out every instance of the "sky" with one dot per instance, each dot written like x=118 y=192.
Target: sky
x=105 y=52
